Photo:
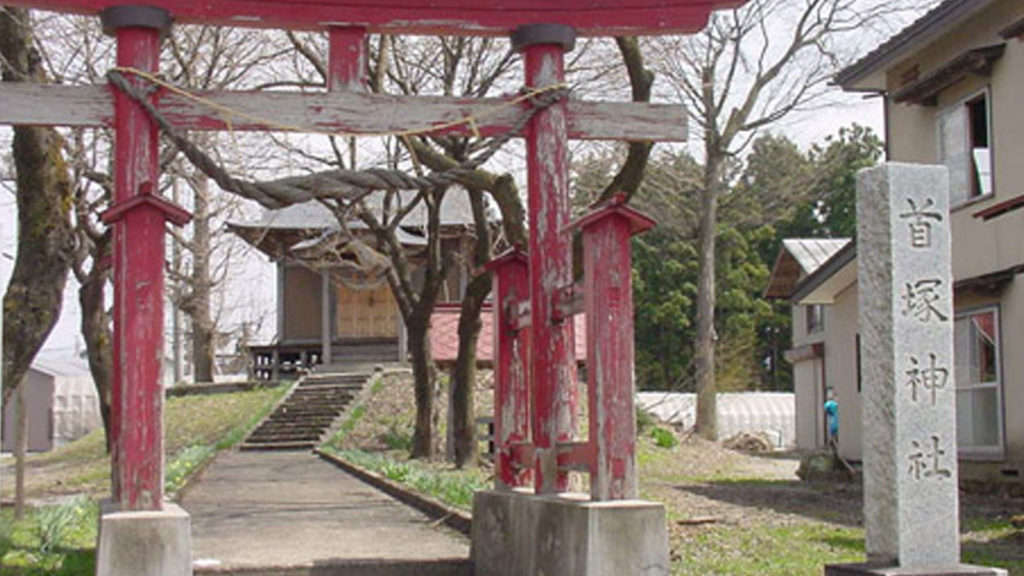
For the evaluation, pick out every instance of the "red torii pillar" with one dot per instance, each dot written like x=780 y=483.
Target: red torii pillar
x=139 y=216
x=553 y=367
x=608 y=305
x=512 y=370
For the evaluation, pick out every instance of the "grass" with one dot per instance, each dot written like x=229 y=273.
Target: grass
x=83 y=467
x=453 y=487
x=795 y=550
x=56 y=540
x=60 y=540
x=763 y=522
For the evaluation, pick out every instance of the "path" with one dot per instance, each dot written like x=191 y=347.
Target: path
x=293 y=513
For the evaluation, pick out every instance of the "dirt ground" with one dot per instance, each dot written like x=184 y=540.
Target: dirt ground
x=707 y=487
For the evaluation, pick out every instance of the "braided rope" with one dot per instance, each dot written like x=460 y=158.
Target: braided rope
x=343 y=185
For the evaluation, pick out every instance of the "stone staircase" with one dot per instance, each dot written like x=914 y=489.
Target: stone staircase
x=307 y=413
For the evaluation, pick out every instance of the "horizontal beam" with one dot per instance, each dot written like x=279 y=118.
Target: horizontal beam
x=338 y=112
x=438 y=17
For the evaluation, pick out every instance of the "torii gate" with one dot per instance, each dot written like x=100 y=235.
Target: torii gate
x=535 y=376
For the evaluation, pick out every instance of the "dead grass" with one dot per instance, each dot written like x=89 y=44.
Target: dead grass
x=731 y=513
x=83 y=467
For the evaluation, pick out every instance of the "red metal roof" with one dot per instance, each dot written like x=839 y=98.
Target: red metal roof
x=455 y=17
x=444 y=336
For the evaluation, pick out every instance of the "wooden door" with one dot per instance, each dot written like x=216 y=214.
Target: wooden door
x=366 y=313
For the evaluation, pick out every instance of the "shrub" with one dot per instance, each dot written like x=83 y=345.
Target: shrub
x=664 y=438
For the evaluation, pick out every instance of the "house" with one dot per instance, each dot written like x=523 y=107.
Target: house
x=62 y=405
x=337 y=313
x=798 y=260
x=951 y=84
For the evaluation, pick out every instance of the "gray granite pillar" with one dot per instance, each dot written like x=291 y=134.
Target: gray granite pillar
x=911 y=513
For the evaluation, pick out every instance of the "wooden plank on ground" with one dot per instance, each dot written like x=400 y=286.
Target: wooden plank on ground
x=346 y=112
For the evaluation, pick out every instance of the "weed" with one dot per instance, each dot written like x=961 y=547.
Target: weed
x=453 y=487
x=664 y=438
x=398 y=436
x=644 y=421
x=179 y=469
x=55 y=524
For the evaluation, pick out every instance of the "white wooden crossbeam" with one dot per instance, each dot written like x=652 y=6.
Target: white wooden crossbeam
x=346 y=112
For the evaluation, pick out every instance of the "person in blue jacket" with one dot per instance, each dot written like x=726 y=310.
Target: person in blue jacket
x=832 y=419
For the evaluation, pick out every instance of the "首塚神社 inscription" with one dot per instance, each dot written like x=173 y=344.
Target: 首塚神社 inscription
x=930 y=378
x=920 y=222
x=920 y=299
x=926 y=459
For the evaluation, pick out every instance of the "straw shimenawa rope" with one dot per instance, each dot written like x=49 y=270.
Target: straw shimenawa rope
x=341 y=185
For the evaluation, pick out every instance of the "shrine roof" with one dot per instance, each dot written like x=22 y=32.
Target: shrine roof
x=455 y=211
x=448 y=17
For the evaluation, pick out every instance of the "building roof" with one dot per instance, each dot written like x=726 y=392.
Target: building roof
x=840 y=272
x=61 y=367
x=279 y=231
x=444 y=335
x=799 y=258
x=835 y=275
x=455 y=211
x=868 y=73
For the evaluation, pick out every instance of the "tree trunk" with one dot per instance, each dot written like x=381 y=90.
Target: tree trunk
x=202 y=324
x=463 y=379
x=704 y=353
x=96 y=332
x=424 y=381
x=44 y=194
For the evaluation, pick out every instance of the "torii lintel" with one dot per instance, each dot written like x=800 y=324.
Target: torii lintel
x=447 y=17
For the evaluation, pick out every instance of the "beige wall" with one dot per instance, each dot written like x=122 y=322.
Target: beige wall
x=841 y=369
x=808 y=383
x=978 y=247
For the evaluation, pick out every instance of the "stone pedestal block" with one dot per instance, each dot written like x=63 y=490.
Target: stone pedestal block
x=145 y=543
x=875 y=570
x=515 y=534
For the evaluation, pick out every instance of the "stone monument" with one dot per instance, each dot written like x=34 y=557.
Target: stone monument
x=911 y=512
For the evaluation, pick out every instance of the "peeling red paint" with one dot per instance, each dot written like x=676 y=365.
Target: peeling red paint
x=608 y=300
x=346 y=61
x=552 y=364
x=511 y=378
x=449 y=17
x=138 y=219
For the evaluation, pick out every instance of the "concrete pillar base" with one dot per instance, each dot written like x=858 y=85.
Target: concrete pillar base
x=144 y=543
x=516 y=533
x=876 y=570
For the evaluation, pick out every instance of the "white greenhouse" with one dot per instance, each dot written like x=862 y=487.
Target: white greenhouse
x=770 y=413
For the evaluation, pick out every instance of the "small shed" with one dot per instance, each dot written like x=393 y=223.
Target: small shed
x=771 y=413
x=62 y=405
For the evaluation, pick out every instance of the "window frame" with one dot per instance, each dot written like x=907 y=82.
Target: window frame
x=963 y=106
x=809 y=315
x=998 y=451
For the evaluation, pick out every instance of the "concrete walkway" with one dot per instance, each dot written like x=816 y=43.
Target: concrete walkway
x=292 y=513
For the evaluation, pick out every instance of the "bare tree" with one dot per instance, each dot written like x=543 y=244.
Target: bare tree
x=34 y=296
x=750 y=68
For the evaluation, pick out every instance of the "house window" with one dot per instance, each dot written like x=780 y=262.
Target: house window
x=815 y=318
x=979 y=410
x=965 y=134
